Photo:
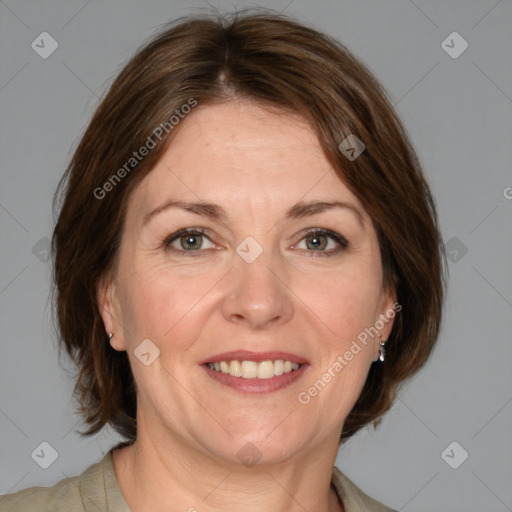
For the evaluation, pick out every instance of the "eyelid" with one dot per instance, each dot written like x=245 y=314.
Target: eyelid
x=322 y=231
x=339 y=239
x=181 y=232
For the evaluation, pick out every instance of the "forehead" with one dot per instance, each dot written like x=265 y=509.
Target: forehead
x=240 y=154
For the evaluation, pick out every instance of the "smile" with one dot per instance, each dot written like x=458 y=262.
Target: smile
x=253 y=369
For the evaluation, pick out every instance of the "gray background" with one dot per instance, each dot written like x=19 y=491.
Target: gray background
x=458 y=113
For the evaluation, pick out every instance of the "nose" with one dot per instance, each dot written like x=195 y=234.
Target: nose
x=258 y=296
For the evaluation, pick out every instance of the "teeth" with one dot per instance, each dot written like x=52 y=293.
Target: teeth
x=265 y=370
x=249 y=369
x=254 y=370
x=235 y=369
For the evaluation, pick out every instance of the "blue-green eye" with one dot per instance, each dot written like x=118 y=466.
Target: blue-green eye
x=323 y=242
x=187 y=240
x=318 y=242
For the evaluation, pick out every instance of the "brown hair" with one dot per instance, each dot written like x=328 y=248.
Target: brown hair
x=275 y=61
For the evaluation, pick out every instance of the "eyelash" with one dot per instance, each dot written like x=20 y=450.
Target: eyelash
x=339 y=239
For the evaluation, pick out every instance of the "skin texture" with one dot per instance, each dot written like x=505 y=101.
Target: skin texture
x=255 y=163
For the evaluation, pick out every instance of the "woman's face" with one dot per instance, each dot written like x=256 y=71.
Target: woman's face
x=253 y=281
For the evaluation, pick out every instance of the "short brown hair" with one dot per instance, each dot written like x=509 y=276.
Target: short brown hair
x=275 y=61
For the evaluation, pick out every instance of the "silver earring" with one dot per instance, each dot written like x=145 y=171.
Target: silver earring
x=382 y=350
x=110 y=335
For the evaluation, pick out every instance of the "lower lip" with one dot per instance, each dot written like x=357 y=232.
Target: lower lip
x=257 y=386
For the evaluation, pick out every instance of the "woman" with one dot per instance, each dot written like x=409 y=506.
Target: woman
x=247 y=267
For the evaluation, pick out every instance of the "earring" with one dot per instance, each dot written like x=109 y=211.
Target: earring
x=110 y=335
x=382 y=350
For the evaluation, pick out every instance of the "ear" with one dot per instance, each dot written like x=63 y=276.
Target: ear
x=110 y=311
x=389 y=307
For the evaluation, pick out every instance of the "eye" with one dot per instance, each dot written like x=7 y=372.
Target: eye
x=187 y=241
x=323 y=242
x=316 y=242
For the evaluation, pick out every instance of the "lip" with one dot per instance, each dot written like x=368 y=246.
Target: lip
x=256 y=386
x=246 y=355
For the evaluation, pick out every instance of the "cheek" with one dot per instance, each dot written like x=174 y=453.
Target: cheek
x=346 y=303
x=159 y=303
x=350 y=307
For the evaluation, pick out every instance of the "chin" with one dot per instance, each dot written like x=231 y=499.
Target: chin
x=269 y=448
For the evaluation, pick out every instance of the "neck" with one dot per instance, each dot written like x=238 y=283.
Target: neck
x=156 y=473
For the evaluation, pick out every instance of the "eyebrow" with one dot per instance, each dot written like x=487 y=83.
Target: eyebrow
x=297 y=211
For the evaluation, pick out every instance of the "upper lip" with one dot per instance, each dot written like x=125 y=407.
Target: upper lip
x=246 y=355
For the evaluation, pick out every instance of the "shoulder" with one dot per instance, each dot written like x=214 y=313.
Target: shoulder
x=94 y=489
x=64 y=493
x=354 y=499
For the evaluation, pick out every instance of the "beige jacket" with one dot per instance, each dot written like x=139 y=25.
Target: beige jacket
x=97 y=490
